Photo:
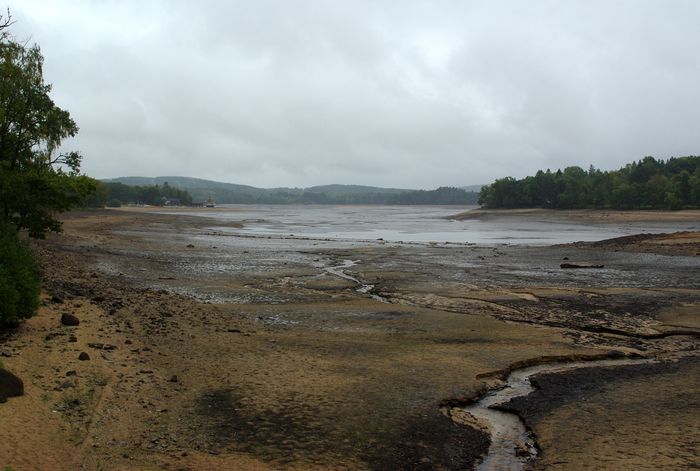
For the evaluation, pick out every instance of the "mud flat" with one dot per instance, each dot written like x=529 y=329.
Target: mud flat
x=210 y=351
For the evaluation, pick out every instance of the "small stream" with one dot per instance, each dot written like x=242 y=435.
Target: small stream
x=512 y=446
x=364 y=288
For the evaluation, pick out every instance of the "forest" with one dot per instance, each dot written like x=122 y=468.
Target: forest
x=646 y=184
x=114 y=194
x=439 y=196
x=157 y=191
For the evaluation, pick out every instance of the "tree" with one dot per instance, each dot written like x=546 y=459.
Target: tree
x=19 y=279
x=36 y=181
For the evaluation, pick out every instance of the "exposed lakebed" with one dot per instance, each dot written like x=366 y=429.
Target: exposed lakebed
x=319 y=372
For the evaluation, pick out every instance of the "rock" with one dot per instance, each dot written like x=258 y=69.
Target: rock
x=102 y=346
x=574 y=265
x=64 y=385
x=83 y=356
x=10 y=385
x=69 y=319
x=71 y=373
x=173 y=379
x=190 y=246
x=235 y=331
x=56 y=299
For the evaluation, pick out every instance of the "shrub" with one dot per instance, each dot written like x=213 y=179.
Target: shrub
x=19 y=279
x=113 y=203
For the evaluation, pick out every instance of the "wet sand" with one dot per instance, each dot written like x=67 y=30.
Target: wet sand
x=209 y=351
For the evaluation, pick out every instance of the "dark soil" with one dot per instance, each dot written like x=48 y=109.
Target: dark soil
x=431 y=441
x=557 y=389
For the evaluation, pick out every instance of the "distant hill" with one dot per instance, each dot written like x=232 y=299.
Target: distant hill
x=231 y=193
x=336 y=190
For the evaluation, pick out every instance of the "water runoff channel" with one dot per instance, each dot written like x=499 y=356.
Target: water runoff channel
x=512 y=444
x=363 y=287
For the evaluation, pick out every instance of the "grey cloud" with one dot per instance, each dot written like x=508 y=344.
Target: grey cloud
x=410 y=94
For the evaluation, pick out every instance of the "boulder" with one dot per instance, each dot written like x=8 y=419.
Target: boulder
x=10 y=385
x=69 y=319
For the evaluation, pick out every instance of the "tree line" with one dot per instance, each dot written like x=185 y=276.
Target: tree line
x=646 y=184
x=114 y=194
x=442 y=195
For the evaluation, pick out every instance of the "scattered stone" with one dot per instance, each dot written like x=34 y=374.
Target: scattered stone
x=83 y=356
x=10 y=385
x=64 y=385
x=69 y=319
x=128 y=342
x=575 y=265
x=72 y=339
x=102 y=346
x=56 y=299
x=6 y=354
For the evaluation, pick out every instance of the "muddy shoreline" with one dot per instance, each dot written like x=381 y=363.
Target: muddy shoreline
x=220 y=352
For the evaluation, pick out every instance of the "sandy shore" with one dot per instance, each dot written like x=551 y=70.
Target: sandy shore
x=215 y=352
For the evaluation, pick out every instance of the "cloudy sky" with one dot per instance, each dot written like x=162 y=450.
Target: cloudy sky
x=414 y=94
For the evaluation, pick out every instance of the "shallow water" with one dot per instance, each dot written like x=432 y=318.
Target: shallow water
x=417 y=224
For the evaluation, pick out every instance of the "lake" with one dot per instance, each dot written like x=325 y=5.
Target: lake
x=418 y=224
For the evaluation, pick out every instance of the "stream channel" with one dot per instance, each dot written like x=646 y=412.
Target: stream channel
x=364 y=288
x=512 y=445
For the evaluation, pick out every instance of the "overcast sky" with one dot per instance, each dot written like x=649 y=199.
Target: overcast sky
x=389 y=93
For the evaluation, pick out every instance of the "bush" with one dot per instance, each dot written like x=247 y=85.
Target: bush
x=113 y=203
x=19 y=279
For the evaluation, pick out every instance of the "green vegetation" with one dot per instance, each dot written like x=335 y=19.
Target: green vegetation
x=19 y=279
x=115 y=194
x=647 y=184
x=36 y=181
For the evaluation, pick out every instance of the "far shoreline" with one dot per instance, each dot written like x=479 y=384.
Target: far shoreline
x=594 y=216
